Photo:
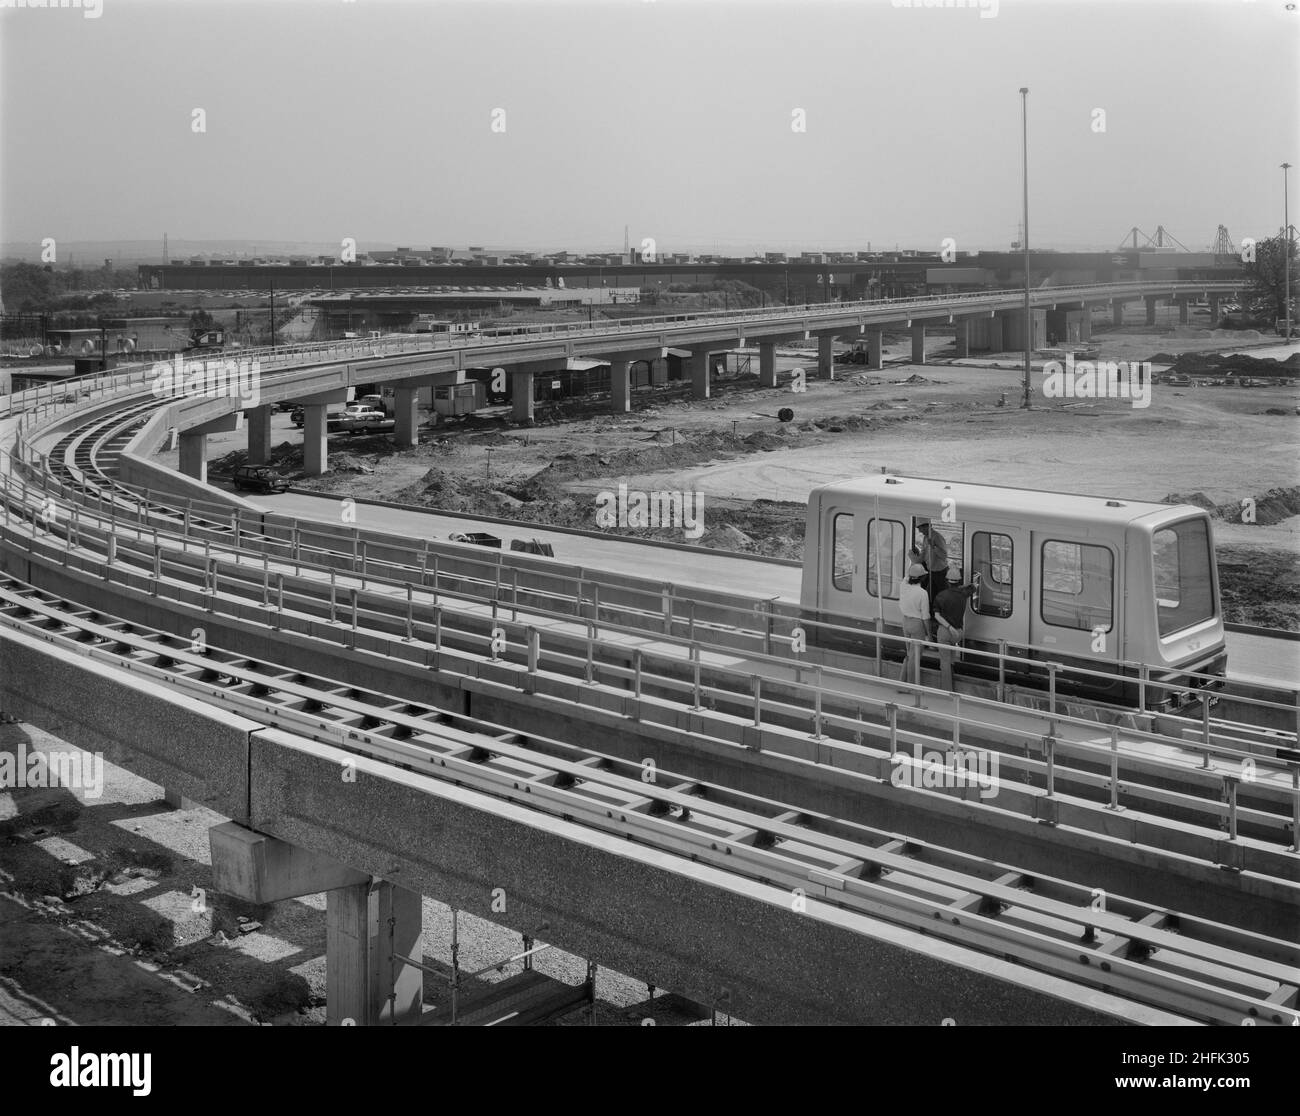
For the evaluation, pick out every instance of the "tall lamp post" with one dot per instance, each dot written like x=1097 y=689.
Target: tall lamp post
x=1024 y=154
x=1286 y=251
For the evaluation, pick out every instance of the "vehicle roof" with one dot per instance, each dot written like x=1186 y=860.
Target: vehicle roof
x=986 y=498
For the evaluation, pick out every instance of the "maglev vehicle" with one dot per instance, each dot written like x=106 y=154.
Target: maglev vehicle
x=1082 y=581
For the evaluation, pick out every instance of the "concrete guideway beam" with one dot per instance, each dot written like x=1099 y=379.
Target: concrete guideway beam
x=665 y=919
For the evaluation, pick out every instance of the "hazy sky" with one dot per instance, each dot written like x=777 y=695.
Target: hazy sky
x=374 y=119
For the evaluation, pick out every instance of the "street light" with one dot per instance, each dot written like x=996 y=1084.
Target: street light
x=1286 y=251
x=1024 y=153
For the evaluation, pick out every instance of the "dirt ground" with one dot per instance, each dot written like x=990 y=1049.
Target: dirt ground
x=1213 y=446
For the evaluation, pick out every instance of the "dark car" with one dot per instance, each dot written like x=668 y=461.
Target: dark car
x=298 y=416
x=260 y=478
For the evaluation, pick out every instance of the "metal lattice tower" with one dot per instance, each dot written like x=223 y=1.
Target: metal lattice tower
x=1223 y=245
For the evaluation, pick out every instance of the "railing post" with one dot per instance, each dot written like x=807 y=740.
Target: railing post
x=758 y=699
x=1205 y=727
x=591 y=651
x=1230 y=789
x=1049 y=749
x=535 y=650
x=668 y=610
x=279 y=600
x=891 y=714
x=1002 y=670
x=1051 y=696
x=817 y=714
x=110 y=555
x=410 y=613
x=1114 y=768
x=333 y=598
x=636 y=674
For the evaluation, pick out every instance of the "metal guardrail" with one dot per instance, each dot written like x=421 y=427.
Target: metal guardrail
x=378 y=600
x=285 y=356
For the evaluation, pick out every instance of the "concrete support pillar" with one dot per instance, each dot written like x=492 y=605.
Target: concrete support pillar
x=700 y=374
x=366 y=925
x=1184 y=311
x=876 y=349
x=962 y=328
x=259 y=435
x=1214 y=311
x=659 y=372
x=620 y=385
x=1151 y=309
x=997 y=334
x=1117 y=311
x=918 y=343
x=767 y=364
x=1085 y=324
x=406 y=403
x=826 y=356
x=521 y=389
x=315 y=440
x=194 y=455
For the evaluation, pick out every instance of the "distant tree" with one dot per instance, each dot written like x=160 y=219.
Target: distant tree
x=1266 y=275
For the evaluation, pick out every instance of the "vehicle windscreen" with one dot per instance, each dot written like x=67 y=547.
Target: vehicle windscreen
x=1184 y=577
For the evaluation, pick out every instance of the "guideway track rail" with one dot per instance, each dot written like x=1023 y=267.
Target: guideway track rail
x=1203 y=971
x=674 y=671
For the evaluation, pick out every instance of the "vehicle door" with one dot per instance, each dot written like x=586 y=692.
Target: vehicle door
x=999 y=556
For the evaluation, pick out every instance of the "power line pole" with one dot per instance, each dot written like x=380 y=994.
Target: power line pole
x=1024 y=148
x=1286 y=250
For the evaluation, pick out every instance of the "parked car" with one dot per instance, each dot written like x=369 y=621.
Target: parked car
x=259 y=478
x=298 y=416
x=335 y=422
x=360 y=421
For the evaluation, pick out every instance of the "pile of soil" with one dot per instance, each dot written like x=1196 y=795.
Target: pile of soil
x=1237 y=364
x=1273 y=507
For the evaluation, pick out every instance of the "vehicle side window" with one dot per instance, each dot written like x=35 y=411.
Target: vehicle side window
x=885 y=537
x=1078 y=586
x=992 y=557
x=842 y=552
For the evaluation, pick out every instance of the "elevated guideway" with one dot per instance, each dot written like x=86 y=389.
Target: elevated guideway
x=500 y=721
